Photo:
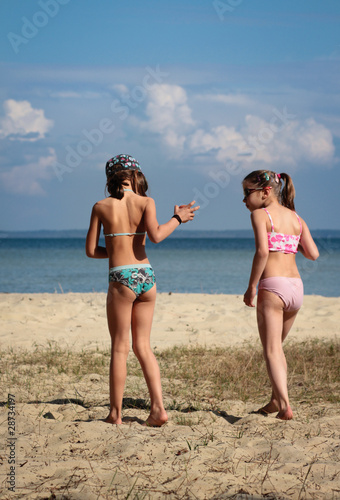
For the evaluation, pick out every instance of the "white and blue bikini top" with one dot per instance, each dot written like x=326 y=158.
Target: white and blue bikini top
x=125 y=234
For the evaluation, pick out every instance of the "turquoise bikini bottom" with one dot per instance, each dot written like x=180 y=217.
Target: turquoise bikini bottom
x=140 y=278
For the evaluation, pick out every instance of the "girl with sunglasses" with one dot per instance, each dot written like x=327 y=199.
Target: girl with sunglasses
x=279 y=234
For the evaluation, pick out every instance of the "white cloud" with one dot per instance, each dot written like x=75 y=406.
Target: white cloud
x=25 y=179
x=226 y=138
x=22 y=122
x=262 y=141
x=315 y=140
x=168 y=114
x=281 y=139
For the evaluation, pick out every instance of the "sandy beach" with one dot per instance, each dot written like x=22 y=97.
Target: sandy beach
x=64 y=450
x=78 y=321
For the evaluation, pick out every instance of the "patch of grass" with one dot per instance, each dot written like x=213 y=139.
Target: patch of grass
x=240 y=373
x=55 y=360
x=192 y=377
x=181 y=420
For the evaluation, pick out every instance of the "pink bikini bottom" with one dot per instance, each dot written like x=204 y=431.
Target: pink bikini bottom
x=290 y=290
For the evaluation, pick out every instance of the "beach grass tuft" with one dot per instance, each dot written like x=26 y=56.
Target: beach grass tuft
x=193 y=378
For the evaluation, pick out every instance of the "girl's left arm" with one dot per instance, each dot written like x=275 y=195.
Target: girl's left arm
x=258 y=221
x=93 y=250
x=307 y=245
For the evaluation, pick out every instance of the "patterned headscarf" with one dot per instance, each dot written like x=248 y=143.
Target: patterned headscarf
x=121 y=162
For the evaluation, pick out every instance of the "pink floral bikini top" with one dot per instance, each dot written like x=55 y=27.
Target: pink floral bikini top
x=279 y=242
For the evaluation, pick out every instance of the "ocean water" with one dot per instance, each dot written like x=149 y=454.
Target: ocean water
x=182 y=265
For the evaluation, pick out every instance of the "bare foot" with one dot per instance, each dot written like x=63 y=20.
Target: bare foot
x=286 y=414
x=271 y=407
x=110 y=420
x=156 y=419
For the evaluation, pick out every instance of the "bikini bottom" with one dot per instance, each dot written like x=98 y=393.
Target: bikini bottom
x=290 y=290
x=140 y=278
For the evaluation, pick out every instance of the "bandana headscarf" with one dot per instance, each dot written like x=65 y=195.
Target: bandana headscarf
x=121 y=162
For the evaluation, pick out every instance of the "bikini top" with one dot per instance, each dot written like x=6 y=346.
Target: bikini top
x=125 y=234
x=285 y=243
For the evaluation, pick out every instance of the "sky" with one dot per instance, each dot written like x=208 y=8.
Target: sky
x=201 y=92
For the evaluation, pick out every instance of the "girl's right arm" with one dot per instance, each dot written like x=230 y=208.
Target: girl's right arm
x=307 y=245
x=158 y=232
x=92 y=249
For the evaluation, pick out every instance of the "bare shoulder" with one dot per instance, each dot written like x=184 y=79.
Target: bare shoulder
x=301 y=219
x=304 y=225
x=101 y=206
x=105 y=201
x=149 y=202
x=149 y=199
x=294 y=215
x=258 y=215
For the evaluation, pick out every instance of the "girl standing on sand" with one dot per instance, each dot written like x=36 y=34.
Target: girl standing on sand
x=127 y=215
x=279 y=234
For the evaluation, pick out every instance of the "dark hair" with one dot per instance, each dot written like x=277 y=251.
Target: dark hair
x=115 y=183
x=281 y=184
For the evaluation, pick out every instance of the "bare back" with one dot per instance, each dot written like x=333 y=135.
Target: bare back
x=124 y=216
x=285 y=222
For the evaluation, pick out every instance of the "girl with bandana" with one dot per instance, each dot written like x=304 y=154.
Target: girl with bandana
x=127 y=215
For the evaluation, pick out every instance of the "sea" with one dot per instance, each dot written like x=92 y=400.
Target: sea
x=210 y=262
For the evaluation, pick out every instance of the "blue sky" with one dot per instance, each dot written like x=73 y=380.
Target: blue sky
x=200 y=92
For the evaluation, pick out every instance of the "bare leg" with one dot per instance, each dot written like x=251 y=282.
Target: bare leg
x=274 y=325
x=142 y=315
x=119 y=307
x=273 y=405
x=288 y=321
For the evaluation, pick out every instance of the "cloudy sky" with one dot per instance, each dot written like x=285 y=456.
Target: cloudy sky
x=201 y=92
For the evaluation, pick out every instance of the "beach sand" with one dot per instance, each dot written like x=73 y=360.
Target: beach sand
x=205 y=454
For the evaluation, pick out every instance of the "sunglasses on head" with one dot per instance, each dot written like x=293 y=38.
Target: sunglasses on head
x=247 y=191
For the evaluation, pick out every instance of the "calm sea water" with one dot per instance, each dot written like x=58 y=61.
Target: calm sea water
x=184 y=265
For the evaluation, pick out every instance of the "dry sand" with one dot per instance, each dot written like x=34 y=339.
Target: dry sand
x=203 y=454
x=78 y=320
